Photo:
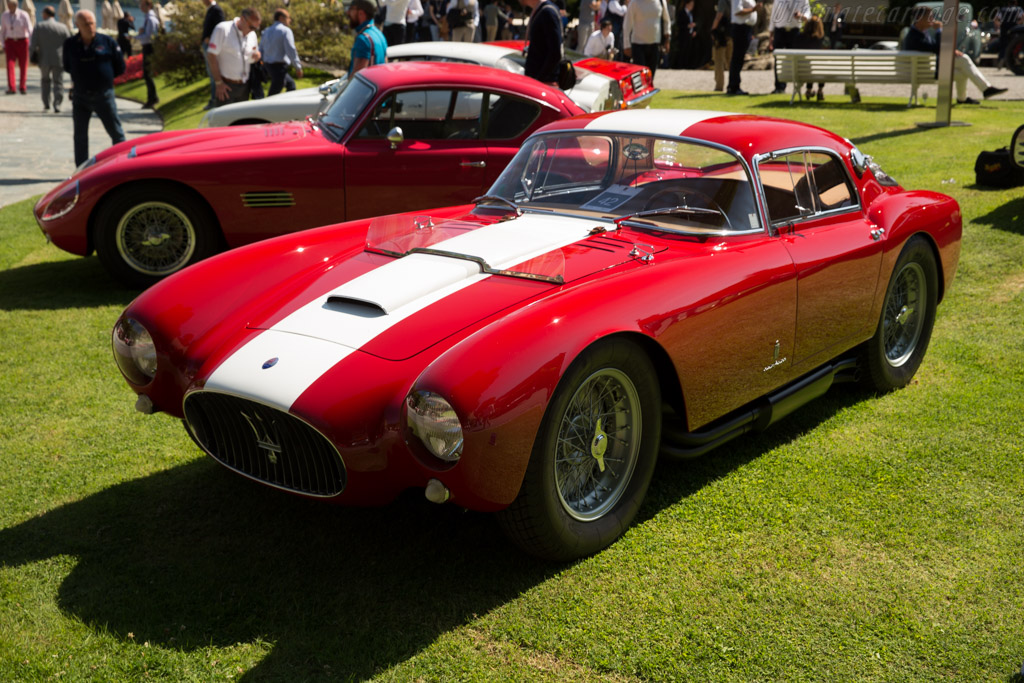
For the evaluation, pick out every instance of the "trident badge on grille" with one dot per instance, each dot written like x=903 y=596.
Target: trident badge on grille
x=263 y=430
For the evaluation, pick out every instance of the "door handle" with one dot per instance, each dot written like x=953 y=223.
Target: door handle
x=474 y=164
x=877 y=233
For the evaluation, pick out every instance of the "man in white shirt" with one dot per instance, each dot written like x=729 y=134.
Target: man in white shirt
x=394 y=21
x=15 y=33
x=646 y=29
x=601 y=42
x=231 y=51
x=744 y=17
x=788 y=16
x=615 y=12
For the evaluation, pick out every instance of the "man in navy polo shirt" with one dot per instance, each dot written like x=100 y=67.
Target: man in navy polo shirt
x=93 y=60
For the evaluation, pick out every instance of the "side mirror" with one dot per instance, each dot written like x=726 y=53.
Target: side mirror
x=1017 y=147
x=395 y=137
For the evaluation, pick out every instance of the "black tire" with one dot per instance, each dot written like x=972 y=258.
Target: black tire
x=584 y=486
x=1015 y=53
x=145 y=233
x=897 y=348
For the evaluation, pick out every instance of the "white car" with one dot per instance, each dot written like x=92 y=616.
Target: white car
x=593 y=91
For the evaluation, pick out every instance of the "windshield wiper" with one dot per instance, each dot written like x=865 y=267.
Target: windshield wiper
x=669 y=210
x=336 y=130
x=496 y=199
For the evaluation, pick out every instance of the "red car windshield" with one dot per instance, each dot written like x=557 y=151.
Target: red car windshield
x=353 y=97
x=678 y=183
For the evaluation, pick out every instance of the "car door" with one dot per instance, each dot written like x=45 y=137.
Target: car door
x=418 y=149
x=837 y=252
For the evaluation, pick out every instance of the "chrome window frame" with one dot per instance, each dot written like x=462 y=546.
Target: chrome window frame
x=751 y=177
x=814 y=215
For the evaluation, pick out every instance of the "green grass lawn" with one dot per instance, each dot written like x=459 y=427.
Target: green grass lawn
x=862 y=538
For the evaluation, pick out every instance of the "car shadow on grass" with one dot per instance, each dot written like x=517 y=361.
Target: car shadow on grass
x=677 y=479
x=54 y=285
x=194 y=556
x=1009 y=216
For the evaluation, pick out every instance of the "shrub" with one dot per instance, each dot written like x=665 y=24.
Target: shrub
x=321 y=35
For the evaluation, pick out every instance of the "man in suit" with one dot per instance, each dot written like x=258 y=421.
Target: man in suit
x=48 y=39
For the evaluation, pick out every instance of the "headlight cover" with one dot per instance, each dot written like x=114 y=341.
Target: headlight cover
x=134 y=351
x=435 y=423
x=62 y=203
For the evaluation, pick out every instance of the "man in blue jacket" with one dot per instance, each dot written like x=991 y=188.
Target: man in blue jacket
x=918 y=39
x=93 y=60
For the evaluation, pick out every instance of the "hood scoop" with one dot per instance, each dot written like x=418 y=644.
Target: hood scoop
x=346 y=305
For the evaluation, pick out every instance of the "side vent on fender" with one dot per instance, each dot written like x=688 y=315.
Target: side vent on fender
x=267 y=200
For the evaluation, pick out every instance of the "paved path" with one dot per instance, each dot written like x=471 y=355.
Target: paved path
x=761 y=82
x=37 y=148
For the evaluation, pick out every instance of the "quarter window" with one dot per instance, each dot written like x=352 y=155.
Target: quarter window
x=802 y=184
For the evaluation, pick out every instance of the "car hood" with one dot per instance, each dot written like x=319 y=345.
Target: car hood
x=395 y=307
x=221 y=139
x=442 y=279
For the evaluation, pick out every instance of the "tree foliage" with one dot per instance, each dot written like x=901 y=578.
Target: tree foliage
x=321 y=35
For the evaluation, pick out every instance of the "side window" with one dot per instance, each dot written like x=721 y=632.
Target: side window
x=801 y=184
x=509 y=117
x=427 y=115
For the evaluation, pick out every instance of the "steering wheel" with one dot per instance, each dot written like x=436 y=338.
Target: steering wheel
x=695 y=200
x=666 y=199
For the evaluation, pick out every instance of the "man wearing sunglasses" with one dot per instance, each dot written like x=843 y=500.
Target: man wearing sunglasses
x=230 y=53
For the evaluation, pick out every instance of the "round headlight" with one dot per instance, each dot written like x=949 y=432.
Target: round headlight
x=434 y=422
x=134 y=351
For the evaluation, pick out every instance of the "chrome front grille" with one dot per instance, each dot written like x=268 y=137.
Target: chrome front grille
x=264 y=443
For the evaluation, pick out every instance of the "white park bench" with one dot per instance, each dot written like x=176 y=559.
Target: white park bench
x=855 y=66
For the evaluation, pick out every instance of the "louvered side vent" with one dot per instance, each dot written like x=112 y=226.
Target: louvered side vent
x=265 y=444
x=267 y=200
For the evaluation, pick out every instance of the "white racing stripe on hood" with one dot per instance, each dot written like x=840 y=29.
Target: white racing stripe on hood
x=654 y=121
x=314 y=338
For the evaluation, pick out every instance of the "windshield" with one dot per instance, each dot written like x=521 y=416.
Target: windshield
x=678 y=184
x=353 y=97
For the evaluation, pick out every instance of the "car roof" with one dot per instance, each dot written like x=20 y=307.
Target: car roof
x=488 y=55
x=747 y=134
x=448 y=74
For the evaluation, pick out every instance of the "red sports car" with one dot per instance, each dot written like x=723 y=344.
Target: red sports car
x=636 y=83
x=633 y=282
x=396 y=138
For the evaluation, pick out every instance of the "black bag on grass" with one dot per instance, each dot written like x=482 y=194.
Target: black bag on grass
x=996 y=169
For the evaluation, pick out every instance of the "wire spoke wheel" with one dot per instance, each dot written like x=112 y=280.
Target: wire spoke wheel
x=594 y=455
x=156 y=238
x=598 y=443
x=893 y=355
x=903 y=321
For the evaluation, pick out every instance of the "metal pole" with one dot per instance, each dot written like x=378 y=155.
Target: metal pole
x=947 y=52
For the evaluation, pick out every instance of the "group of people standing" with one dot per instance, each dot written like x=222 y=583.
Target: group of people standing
x=238 y=63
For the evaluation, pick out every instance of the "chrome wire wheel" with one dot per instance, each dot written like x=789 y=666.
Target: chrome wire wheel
x=155 y=238
x=598 y=444
x=903 y=319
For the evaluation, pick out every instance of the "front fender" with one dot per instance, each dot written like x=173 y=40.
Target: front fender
x=501 y=378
